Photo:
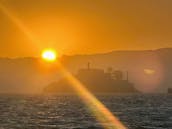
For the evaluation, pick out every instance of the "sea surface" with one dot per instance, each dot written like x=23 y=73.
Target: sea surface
x=69 y=112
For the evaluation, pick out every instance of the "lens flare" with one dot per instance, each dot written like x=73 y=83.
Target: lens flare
x=98 y=109
x=102 y=114
x=149 y=71
x=16 y=21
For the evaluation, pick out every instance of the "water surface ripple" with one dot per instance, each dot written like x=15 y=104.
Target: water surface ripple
x=68 y=112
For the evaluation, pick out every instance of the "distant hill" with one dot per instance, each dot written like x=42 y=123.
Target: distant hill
x=23 y=75
x=150 y=70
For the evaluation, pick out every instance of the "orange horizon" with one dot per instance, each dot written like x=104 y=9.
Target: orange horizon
x=84 y=28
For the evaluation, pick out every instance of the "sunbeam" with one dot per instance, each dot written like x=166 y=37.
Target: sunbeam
x=102 y=114
x=20 y=25
x=98 y=109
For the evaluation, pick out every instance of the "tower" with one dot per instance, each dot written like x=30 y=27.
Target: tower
x=127 y=76
x=88 y=66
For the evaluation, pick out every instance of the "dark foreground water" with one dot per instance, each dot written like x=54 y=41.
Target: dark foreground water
x=68 y=112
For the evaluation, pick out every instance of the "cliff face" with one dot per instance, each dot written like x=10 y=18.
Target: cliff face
x=25 y=75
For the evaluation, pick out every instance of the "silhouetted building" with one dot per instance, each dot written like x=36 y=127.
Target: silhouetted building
x=170 y=90
x=97 y=81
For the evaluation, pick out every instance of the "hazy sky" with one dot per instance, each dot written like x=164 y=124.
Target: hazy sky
x=83 y=26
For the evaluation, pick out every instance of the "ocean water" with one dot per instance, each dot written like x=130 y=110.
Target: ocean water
x=68 y=112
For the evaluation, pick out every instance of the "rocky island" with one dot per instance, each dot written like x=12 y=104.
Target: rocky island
x=96 y=81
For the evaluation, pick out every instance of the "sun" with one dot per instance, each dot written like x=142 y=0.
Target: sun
x=49 y=55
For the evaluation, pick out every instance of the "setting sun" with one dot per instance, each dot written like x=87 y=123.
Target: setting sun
x=49 y=55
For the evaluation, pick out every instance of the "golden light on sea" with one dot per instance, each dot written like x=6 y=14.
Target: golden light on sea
x=49 y=55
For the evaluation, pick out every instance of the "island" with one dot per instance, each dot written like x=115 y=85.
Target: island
x=95 y=80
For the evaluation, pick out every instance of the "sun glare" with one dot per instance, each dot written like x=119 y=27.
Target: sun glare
x=49 y=55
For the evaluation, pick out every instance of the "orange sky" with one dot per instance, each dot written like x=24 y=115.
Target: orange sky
x=85 y=26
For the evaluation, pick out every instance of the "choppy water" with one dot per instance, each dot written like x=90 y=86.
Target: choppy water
x=68 y=112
